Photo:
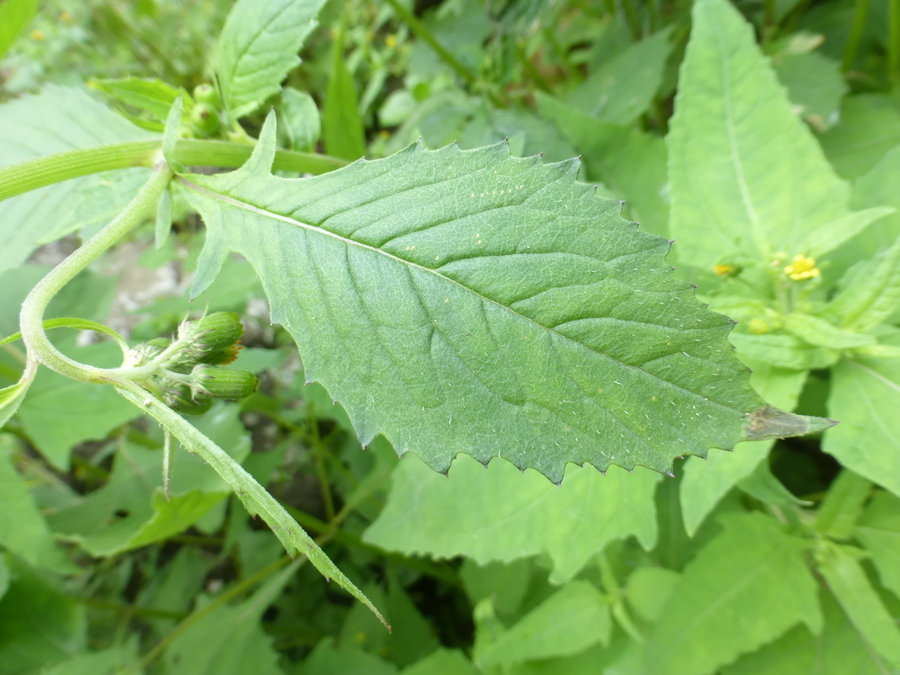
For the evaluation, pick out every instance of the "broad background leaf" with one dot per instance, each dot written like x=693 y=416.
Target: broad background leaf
x=55 y=120
x=445 y=302
x=344 y=132
x=258 y=46
x=879 y=532
x=744 y=589
x=746 y=174
x=498 y=513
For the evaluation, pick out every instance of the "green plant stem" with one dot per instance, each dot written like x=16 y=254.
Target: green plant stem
x=894 y=41
x=321 y=473
x=42 y=171
x=856 y=31
x=31 y=318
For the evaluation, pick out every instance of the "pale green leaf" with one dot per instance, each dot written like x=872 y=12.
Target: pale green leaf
x=568 y=622
x=477 y=303
x=878 y=530
x=823 y=333
x=56 y=120
x=442 y=662
x=23 y=529
x=621 y=89
x=229 y=640
x=302 y=117
x=344 y=130
x=39 y=622
x=837 y=650
x=648 y=590
x=834 y=233
x=14 y=16
x=762 y=484
x=258 y=47
x=706 y=482
x=783 y=351
x=865 y=397
x=847 y=580
x=742 y=590
x=746 y=174
x=878 y=187
x=869 y=127
x=869 y=293
x=501 y=514
x=149 y=94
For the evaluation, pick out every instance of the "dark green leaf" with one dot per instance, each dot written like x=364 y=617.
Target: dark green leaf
x=344 y=132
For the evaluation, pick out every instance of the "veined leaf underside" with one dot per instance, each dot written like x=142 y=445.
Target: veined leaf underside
x=479 y=303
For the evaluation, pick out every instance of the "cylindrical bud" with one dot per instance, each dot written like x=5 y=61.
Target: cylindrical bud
x=224 y=383
x=212 y=339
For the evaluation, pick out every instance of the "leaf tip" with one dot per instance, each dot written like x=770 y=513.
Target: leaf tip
x=769 y=422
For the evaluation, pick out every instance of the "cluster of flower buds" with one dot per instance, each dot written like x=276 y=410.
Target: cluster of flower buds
x=187 y=373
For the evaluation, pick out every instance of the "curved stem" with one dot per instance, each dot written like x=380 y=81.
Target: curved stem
x=31 y=319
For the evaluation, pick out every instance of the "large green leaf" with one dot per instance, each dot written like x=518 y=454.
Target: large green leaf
x=56 y=120
x=746 y=174
x=744 y=589
x=258 y=46
x=501 y=514
x=869 y=127
x=865 y=395
x=478 y=303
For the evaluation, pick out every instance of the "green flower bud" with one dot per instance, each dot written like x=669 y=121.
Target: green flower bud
x=224 y=383
x=207 y=93
x=212 y=339
x=180 y=398
x=205 y=119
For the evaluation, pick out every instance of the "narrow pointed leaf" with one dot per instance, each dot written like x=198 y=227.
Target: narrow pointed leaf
x=14 y=16
x=258 y=47
x=478 y=303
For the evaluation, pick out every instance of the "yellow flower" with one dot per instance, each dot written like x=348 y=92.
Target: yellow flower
x=37 y=35
x=802 y=268
x=722 y=270
x=758 y=326
x=67 y=17
x=390 y=41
